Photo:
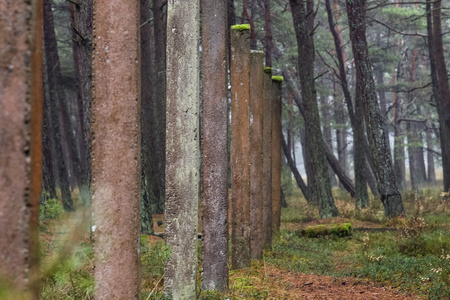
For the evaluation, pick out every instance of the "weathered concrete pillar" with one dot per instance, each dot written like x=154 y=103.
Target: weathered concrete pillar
x=267 y=158
x=256 y=152
x=240 y=146
x=182 y=148
x=116 y=149
x=21 y=147
x=214 y=146
x=276 y=152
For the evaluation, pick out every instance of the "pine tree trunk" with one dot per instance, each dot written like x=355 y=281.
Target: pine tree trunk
x=319 y=183
x=157 y=161
x=390 y=195
x=147 y=93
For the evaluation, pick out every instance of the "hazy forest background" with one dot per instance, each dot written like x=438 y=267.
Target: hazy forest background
x=365 y=165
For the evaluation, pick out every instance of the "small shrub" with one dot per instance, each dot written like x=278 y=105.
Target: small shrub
x=51 y=209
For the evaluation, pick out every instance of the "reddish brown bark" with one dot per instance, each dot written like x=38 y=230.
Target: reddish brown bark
x=268 y=41
x=276 y=154
x=256 y=153
x=214 y=146
x=116 y=149
x=240 y=148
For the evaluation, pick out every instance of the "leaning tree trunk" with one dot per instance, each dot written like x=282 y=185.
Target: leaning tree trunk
x=319 y=183
x=214 y=164
x=116 y=150
x=390 y=195
x=20 y=135
x=182 y=148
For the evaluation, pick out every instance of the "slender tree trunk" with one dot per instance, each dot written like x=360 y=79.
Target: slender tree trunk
x=57 y=97
x=276 y=152
x=298 y=178
x=319 y=183
x=267 y=158
x=182 y=148
x=240 y=146
x=357 y=122
x=20 y=133
x=443 y=101
x=116 y=150
x=326 y=129
x=430 y=159
x=256 y=153
x=390 y=195
x=147 y=93
x=157 y=163
x=268 y=41
x=246 y=16
x=214 y=146
x=83 y=29
x=82 y=159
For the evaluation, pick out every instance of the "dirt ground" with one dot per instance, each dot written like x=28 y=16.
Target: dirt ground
x=281 y=284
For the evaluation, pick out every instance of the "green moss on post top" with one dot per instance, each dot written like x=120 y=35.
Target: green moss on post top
x=277 y=78
x=240 y=27
x=268 y=70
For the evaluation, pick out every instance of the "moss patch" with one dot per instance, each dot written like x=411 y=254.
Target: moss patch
x=240 y=27
x=268 y=70
x=339 y=230
x=277 y=78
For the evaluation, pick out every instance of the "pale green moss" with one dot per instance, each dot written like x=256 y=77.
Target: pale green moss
x=277 y=78
x=240 y=27
x=268 y=70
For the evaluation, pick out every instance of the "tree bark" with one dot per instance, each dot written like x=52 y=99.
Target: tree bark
x=430 y=159
x=57 y=98
x=298 y=178
x=268 y=40
x=147 y=92
x=116 y=150
x=157 y=163
x=214 y=163
x=443 y=101
x=20 y=133
x=276 y=153
x=83 y=50
x=326 y=129
x=319 y=183
x=240 y=147
x=390 y=195
x=182 y=148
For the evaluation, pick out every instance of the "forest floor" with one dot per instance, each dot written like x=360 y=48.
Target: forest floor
x=381 y=259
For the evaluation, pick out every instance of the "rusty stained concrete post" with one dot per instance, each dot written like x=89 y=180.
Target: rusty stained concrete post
x=267 y=158
x=20 y=138
x=116 y=149
x=240 y=146
x=182 y=148
x=256 y=152
x=214 y=146
x=276 y=152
